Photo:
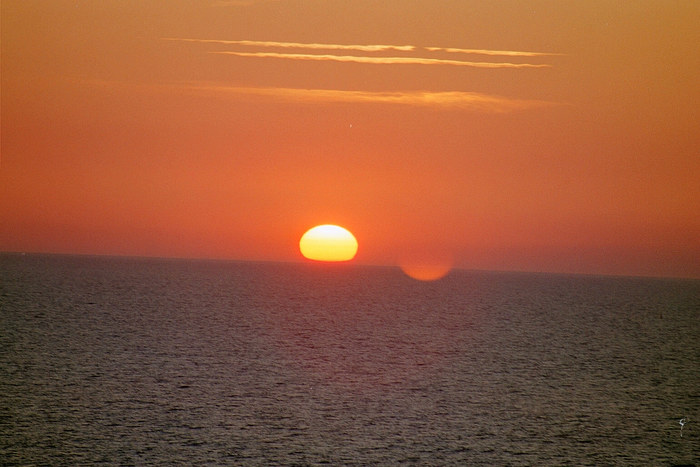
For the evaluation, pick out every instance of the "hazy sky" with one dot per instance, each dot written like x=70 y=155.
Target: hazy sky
x=533 y=135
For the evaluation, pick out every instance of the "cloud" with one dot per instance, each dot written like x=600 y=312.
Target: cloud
x=447 y=99
x=382 y=60
x=364 y=48
x=300 y=45
x=509 y=53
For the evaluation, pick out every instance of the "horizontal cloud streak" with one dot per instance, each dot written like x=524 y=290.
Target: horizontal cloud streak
x=449 y=99
x=363 y=48
x=382 y=60
x=508 y=53
x=300 y=45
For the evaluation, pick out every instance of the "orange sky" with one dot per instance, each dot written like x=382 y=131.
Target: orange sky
x=225 y=129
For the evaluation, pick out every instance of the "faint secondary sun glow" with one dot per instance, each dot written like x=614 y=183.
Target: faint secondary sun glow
x=328 y=243
x=426 y=267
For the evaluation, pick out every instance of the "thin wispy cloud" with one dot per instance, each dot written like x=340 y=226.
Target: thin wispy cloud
x=507 y=53
x=367 y=54
x=300 y=45
x=365 y=48
x=382 y=60
x=448 y=99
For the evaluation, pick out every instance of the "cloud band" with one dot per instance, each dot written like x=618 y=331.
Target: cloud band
x=382 y=60
x=300 y=45
x=446 y=99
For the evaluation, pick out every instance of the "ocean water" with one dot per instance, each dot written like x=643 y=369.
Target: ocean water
x=156 y=361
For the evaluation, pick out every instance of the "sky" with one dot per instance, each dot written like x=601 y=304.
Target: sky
x=542 y=136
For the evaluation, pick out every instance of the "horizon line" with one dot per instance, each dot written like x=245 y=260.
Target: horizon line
x=346 y=263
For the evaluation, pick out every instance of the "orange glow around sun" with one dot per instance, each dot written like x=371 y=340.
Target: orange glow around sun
x=328 y=243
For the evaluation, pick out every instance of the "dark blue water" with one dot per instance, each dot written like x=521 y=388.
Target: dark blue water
x=147 y=361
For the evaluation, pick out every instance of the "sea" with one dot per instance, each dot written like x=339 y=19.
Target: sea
x=137 y=361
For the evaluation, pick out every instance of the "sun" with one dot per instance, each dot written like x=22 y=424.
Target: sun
x=328 y=243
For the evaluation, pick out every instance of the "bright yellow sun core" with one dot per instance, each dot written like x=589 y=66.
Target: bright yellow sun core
x=328 y=243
